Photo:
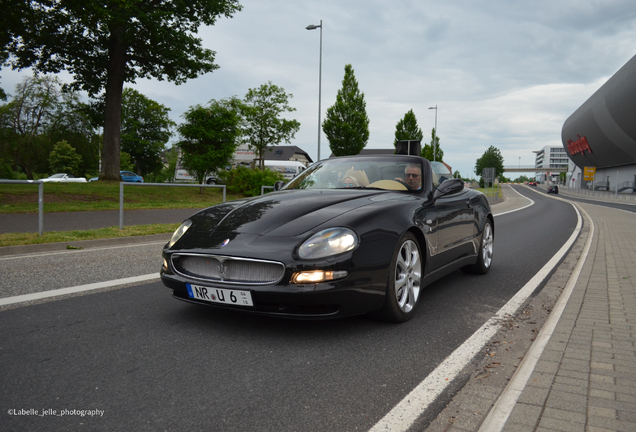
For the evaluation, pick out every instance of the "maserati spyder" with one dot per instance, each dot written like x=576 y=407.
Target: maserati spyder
x=349 y=235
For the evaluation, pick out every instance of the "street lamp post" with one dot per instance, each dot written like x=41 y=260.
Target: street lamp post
x=314 y=27
x=435 y=135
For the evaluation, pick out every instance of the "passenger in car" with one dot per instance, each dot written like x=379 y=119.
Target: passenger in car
x=349 y=182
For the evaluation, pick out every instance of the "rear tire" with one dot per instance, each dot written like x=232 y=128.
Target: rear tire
x=404 y=283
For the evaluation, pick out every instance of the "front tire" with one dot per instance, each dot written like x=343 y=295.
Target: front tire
x=405 y=281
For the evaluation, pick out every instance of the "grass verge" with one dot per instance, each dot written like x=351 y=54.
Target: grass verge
x=62 y=197
x=14 y=239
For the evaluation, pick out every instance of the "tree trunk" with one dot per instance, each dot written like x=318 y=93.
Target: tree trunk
x=112 y=113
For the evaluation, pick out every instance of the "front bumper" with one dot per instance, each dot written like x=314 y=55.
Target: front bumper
x=362 y=291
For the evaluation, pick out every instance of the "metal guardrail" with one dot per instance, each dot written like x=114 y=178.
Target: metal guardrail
x=621 y=196
x=121 y=193
x=532 y=168
x=265 y=187
x=40 y=199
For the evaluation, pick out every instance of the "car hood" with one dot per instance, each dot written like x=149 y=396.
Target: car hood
x=282 y=214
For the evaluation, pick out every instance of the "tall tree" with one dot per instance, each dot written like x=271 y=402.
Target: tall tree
x=263 y=125
x=3 y=56
x=346 y=123
x=491 y=158
x=433 y=147
x=145 y=129
x=407 y=129
x=210 y=137
x=104 y=43
x=40 y=114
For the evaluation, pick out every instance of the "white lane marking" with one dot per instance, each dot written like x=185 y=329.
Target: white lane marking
x=498 y=415
x=409 y=409
x=70 y=251
x=63 y=291
x=520 y=208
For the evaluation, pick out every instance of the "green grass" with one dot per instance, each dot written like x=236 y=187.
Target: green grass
x=67 y=197
x=61 y=197
x=14 y=239
x=495 y=192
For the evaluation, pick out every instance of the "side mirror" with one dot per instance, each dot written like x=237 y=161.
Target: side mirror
x=279 y=185
x=448 y=187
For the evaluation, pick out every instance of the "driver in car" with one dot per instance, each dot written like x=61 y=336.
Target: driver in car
x=413 y=175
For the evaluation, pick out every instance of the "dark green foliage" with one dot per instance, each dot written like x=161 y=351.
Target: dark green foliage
x=167 y=172
x=427 y=150
x=248 y=181
x=125 y=162
x=346 y=123
x=64 y=159
x=491 y=158
x=263 y=127
x=209 y=137
x=407 y=129
x=145 y=129
x=40 y=114
x=104 y=44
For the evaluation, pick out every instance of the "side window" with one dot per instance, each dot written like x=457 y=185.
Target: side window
x=441 y=172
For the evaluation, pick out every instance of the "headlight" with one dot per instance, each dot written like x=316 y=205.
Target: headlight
x=179 y=232
x=329 y=242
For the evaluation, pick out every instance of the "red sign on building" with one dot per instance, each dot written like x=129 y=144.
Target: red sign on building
x=578 y=146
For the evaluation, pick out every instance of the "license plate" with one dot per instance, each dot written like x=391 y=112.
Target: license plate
x=220 y=295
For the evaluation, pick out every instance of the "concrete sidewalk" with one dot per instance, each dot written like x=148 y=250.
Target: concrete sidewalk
x=579 y=374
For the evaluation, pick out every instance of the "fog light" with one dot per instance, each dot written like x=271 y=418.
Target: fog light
x=165 y=264
x=317 y=276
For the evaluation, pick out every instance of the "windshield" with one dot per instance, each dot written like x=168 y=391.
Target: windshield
x=388 y=173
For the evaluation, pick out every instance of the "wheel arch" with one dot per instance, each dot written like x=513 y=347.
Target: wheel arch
x=422 y=243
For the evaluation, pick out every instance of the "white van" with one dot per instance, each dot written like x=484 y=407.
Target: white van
x=289 y=169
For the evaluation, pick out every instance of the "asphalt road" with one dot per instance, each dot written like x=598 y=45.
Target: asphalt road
x=150 y=362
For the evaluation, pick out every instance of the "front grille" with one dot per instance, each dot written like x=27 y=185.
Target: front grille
x=228 y=269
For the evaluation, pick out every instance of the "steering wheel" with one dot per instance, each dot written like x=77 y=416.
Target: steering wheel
x=408 y=188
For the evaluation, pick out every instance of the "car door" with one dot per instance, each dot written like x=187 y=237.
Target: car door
x=454 y=227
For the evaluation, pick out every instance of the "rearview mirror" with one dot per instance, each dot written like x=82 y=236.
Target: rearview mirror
x=448 y=187
x=279 y=185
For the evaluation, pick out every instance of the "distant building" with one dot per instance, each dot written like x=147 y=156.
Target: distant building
x=288 y=153
x=601 y=134
x=550 y=157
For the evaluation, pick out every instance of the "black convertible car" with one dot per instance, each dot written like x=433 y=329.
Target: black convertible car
x=350 y=235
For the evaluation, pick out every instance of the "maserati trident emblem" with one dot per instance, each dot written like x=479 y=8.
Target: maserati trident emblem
x=225 y=242
x=222 y=270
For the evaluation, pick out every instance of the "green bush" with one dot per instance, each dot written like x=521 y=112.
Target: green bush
x=248 y=181
x=6 y=172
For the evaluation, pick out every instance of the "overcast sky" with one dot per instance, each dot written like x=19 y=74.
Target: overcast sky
x=506 y=73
